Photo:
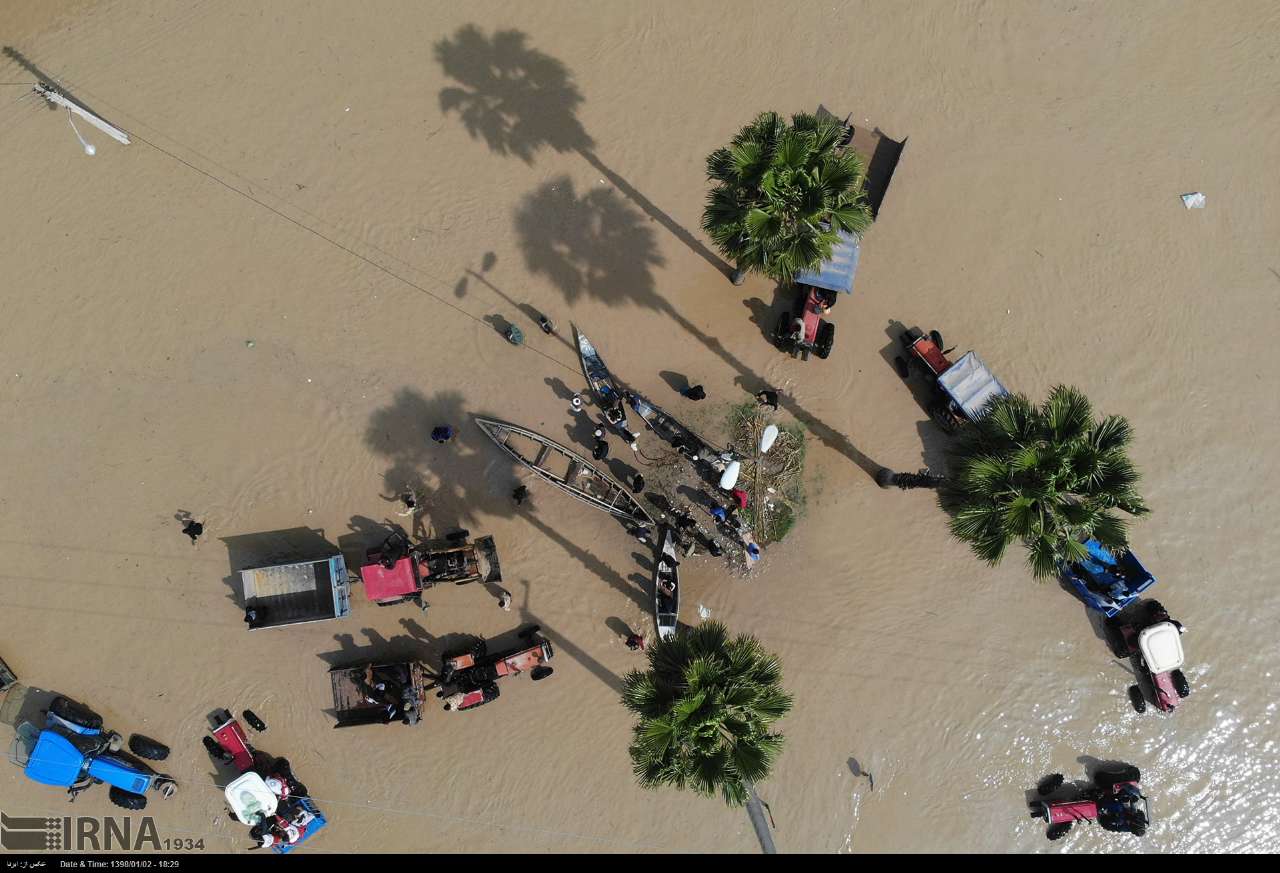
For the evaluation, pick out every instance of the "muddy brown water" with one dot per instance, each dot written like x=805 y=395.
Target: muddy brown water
x=294 y=183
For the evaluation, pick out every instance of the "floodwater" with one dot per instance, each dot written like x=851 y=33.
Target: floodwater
x=257 y=311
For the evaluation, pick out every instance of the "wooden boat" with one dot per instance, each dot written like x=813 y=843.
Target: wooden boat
x=669 y=428
x=605 y=389
x=666 y=578
x=566 y=469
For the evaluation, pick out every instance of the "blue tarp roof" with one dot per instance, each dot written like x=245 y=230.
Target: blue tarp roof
x=835 y=274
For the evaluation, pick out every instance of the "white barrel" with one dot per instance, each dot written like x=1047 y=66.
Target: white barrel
x=730 y=477
x=767 y=438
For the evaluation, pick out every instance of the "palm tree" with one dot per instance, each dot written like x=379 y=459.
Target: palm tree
x=1051 y=476
x=781 y=194
x=706 y=705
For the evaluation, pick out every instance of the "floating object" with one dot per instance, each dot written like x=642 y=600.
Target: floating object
x=1194 y=200
x=768 y=437
x=254 y=722
x=730 y=476
x=580 y=479
x=703 y=612
x=514 y=335
x=666 y=606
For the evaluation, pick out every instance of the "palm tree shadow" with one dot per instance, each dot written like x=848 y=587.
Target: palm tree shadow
x=519 y=101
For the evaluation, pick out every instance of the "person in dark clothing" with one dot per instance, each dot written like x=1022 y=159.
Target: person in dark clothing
x=600 y=450
x=443 y=433
x=520 y=495
x=193 y=529
x=637 y=483
x=713 y=548
x=668 y=562
x=696 y=392
x=635 y=642
x=546 y=325
x=768 y=397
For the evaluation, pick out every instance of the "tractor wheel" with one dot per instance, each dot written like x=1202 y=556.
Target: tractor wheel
x=528 y=632
x=1137 y=698
x=1058 y=831
x=825 y=339
x=937 y=339
x=165 y=786
x=80 y=716
x=127 y=799
x=940 y=412
x=1180 y=683
x=909 y=337
x=216 y=752
x=1154 y=610
x=1107 y=780
x=1050 y=784
x=900 y=364
x=1039 y=810
x=145 y=747
x=782 y=333
x=542 y=671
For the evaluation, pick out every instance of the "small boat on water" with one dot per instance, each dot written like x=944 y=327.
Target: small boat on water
x=565 y=469
x=666 y=584
x=602 y=384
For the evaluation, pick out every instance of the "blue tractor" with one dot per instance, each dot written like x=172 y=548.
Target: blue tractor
x=74 y=752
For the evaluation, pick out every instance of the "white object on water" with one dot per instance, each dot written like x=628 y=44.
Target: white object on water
x=767 y=438
x=1195 y=200
x=730 y=477
x=89 y=148
x=703 y=612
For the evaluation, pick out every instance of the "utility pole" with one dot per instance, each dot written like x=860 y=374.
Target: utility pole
x=57 y=98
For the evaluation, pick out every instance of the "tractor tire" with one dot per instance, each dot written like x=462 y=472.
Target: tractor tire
x=1050 y=784
x=1137 y=699
x=542 y=671
x=900 y=364
x=936 y=337
x=1058 y=831
x=145 y=747
x=78 y=715
x=216 y=752
x=1109 y=779
x=1039 y=810
x=165 y=786
x=458 y=536
x=1180 y=683
x=127 y=799
x=940 y=412
x=909 y=337
x=528 y=632
x=782 y=333
x=825 y=339
x=1154 y=610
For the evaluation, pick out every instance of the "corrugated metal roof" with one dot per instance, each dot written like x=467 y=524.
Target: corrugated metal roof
x=837 y=273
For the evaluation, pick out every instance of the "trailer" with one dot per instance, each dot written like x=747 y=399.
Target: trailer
x=296 y=593
x=379 y=693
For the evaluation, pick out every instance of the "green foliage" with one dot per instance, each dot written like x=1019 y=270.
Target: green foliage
x=1049 y=477
x=782 y=192
x=770 y=513
x=705 y=707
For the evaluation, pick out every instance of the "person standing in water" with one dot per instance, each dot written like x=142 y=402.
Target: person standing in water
x=768 y=398
x=695 y=392
x=193 y=529
x=443 y=433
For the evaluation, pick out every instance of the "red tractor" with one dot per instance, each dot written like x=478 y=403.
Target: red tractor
x=469 y=677
x=1113 y=800
x=804 y=329
x=399 y=570
x=1155 y=642
x=265 y=796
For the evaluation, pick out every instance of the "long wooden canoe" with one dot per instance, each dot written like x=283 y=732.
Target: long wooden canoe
x=566 y=469
x=666 y=606
x=607 y=393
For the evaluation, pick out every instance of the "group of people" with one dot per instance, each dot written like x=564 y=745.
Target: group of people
x=393 y=695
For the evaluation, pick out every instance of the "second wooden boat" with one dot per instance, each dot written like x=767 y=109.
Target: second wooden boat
x=565 y=469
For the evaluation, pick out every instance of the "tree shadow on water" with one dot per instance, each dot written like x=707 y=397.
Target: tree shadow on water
x=588 y=256
x=519 y=101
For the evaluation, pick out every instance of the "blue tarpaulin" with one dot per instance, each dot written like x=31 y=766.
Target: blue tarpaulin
x=835 y=274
